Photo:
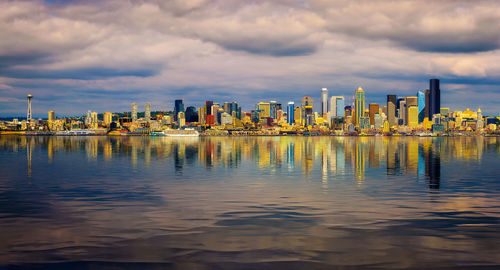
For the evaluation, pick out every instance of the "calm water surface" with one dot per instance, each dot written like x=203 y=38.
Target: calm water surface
x=249 y=203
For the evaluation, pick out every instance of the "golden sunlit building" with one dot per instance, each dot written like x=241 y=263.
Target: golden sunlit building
x=265 y=109
x=107 y=118
x=413 y=116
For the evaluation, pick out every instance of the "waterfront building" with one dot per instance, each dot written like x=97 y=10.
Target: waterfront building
x=147 y=111
x=435 y=97
x=134 y=112
x=107 y=118
x=290 y=113
x=373 y=108
x=93 y=117
x=181 y=118
x=178 y=107
x=359 y=105
x=191 y=115
x=324 y=101
x=51 y=116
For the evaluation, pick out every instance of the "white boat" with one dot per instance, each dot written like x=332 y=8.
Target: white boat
x=188 y=132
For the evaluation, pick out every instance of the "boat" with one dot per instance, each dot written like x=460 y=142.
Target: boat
x=188 y=132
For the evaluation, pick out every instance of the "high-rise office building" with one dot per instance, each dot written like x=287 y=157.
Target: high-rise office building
x=178 y=107
x=410 y=101
x=181 y=119
x=421 y=105
x=273 y=109
x=134 y=112
x=427 y=109
x=324 y=101
x=307 y=111
x=93 y=117
x=209 y=104
x=28 y=116
x=52 y=116
x=336 y=106
x=359 y=105
x=373 y=108
x=107 y=118
x=226 y=107
x=402 y=112
x=412 y=116
x=147 y=111
x=191 y=114
x=290 y=109
x=435 y=99
x=264 y=108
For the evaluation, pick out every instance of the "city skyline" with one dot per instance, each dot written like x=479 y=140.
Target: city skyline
x=74 y=56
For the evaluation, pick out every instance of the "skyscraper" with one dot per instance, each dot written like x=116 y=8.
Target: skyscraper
x=191 y=114
x=147 y=111
x=178 y=107
x=273 y=109
x=264 y=108
x=28 y=116
x=421 y=105
x=307 y=111
x=428 y=104
x=359 y=105
x=340 y=106
x=435 y=96
x=410 y=102
x=324 y=101
x=290 y=109
x=51 y=116
x=134 y=112
x=107 y=118
x=336 y=106
x=373 y=108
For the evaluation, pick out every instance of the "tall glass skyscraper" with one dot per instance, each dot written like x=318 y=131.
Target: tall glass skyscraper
x=421 y=105
x=179 y=107
x=339 y=104
x=435 y=97
x=290 y=109
x=324 y=101
x=359 y=105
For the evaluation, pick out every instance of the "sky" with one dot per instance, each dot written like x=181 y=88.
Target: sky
x=100 y=55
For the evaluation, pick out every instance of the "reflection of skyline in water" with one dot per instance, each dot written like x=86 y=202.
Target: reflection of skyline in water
x=330 y=155
x=317 y=201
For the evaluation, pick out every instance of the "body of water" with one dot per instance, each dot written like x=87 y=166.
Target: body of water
x=249 y=203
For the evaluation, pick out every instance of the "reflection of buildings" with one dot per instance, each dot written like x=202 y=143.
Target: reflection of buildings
x=329 y=156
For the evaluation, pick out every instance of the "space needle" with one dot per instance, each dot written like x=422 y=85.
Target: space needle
x=28 y=117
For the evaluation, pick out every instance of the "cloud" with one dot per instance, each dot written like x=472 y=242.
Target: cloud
x=428 y=26
x=248 y=51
